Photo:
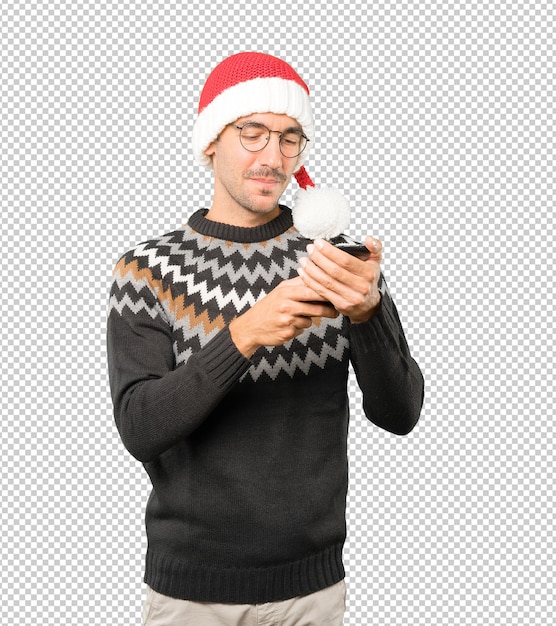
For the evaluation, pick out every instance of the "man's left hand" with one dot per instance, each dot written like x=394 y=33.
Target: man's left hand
x=348 y=283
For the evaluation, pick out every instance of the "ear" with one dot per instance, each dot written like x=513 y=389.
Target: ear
x=210 y=149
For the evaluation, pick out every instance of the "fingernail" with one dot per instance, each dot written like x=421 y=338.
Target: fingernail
x=310 y=248
x=303 y=261
x=319 y=243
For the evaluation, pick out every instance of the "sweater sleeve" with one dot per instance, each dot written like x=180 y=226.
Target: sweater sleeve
x=156 y=404
x=390 y=380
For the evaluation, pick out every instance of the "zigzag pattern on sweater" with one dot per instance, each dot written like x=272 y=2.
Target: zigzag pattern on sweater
x=197 y=285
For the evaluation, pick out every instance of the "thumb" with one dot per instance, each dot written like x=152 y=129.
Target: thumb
x=374 y=246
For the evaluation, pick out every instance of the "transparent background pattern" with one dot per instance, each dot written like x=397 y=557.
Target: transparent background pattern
x=436 y=120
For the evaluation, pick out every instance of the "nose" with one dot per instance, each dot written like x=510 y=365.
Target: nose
x=270 y=155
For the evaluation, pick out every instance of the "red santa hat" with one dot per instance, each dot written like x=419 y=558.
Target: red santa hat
x=253 y=82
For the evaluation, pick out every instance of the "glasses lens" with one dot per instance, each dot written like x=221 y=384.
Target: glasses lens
x=292 y=143
x=254 y=137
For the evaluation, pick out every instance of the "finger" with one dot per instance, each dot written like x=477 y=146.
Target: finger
x=349 y=271
x=302 y=322
x=327 y=266
x=323 y=248
x=374 y=246
x=339 y=293
x=297 y=290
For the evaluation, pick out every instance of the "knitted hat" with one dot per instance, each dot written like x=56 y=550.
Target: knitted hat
x=253 y=82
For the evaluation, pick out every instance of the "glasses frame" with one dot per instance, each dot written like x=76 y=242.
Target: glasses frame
x=278 y=132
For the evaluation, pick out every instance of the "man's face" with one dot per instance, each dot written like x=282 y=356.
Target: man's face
x=248 y=185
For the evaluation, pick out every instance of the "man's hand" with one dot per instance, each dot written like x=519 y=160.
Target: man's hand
x=280 y=316
x=349 y=283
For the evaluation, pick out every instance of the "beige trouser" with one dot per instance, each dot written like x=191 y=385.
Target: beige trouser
x=323 y=608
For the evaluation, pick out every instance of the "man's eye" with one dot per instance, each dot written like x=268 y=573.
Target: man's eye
x=253 y=134
x=291 y=141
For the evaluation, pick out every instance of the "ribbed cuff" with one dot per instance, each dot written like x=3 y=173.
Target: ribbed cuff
x=382 y=329
x=222 y=361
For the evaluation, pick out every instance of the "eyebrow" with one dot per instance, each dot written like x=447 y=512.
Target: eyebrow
x=249 y=120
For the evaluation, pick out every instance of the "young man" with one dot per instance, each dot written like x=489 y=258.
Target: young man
x=229 y=342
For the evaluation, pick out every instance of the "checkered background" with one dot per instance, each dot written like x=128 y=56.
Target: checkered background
x=436 y=120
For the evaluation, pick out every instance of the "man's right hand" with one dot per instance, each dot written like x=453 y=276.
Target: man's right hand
x=281 y=315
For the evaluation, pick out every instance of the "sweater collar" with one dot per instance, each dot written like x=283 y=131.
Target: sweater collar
x=240 y=234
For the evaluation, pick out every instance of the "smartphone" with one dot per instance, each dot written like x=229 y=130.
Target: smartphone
x=349 y=245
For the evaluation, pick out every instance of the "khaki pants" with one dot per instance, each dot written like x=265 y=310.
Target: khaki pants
x=323 y=608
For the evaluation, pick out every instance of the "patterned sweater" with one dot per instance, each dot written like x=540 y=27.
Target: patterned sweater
x=247 y=457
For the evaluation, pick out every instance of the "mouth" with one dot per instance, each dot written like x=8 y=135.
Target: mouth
x=266 y=182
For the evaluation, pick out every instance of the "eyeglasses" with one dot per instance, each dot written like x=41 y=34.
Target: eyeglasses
x=254 y=137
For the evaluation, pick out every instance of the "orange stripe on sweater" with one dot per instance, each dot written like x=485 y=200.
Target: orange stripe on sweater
x=176 y=305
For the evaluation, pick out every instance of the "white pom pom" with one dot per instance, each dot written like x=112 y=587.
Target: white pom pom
x=320 y=213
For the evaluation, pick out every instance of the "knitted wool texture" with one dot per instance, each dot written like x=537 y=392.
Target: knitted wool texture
x=247 y=457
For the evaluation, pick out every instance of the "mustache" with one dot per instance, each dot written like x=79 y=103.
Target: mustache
x=266 y=172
